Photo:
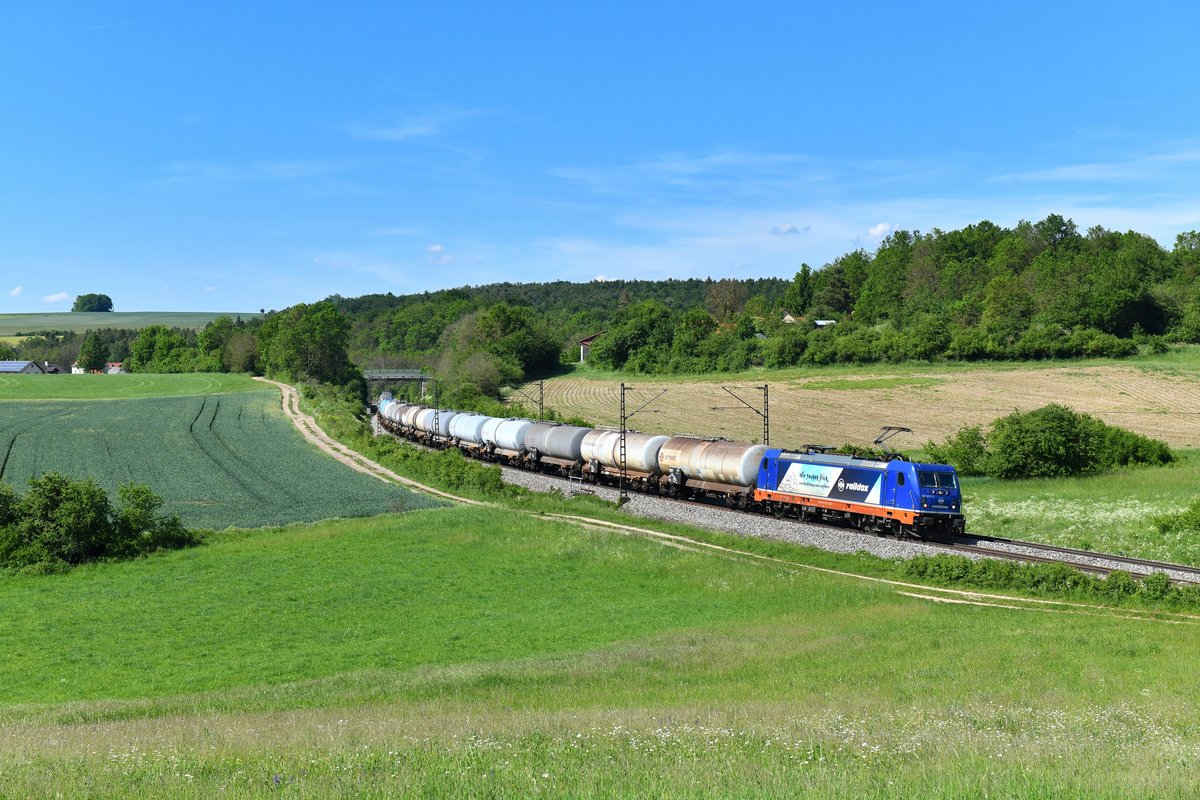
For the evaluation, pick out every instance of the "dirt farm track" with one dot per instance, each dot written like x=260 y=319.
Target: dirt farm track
x=850 y=408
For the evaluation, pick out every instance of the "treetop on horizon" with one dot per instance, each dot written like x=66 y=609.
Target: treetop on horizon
x=92 y=302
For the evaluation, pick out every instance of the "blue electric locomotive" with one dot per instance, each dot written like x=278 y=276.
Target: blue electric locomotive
x=894 y=496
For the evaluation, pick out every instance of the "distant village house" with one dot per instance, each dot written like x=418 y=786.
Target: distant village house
x=110 y=368
x=21 y=368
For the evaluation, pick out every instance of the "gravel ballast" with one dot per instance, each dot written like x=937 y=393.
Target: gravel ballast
x=720 y=519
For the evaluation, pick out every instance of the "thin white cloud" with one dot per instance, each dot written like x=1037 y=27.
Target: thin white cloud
x=120 y=24
x=728 y=173
x=879 y=231
x=406 y=127
x=16 y=292
x=1144 y=167
x=438 y=255
x=60 y=297
x=786 y=229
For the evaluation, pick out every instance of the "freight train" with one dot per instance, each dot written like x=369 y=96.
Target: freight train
x=892 y=496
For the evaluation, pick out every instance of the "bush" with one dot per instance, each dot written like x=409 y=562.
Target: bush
x=966 y=451
x=1120 y=447
x=1049 y=580
x=60 y=522
x=1187 y=520
x=1048 y=442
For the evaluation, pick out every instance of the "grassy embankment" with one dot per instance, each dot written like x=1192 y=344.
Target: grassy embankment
x=478 y=651
x=214 y=447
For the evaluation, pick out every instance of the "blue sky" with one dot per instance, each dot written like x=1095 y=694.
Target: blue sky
x=237 y=156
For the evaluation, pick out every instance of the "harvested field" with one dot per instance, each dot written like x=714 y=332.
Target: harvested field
x=840 y=407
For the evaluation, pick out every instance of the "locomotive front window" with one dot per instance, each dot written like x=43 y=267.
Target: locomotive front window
x=937 y=480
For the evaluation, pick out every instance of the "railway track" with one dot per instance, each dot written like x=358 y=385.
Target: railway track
x=1099 y=564
x=1086 y=560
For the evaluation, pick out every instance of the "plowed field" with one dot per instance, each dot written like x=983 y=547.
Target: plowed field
x=838 y=408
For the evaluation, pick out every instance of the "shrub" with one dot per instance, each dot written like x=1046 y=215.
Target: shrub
x=1187 y=520
x=970 y=344
x=60 y=522
x=966 y=451
x=1048 y=442
x=1119 y=585
x=1156 y=587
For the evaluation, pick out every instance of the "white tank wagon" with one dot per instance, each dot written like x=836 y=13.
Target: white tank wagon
x=468 y=428
x=426 y=422
x=395 y=411
x=510 y=435
x=554 y=440
x=718 y=468
x=641 y=450
x=408 y=417
x=488 y=433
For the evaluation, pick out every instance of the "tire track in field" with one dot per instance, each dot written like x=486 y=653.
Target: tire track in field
x=217 y=462
x=289 y=402
x=269 y=485
x=22 y=427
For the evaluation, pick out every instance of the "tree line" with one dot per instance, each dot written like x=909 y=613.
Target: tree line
x=1037 y=290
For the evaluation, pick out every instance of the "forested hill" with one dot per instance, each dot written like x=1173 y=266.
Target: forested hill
x=564 y=298
x=1038 y=290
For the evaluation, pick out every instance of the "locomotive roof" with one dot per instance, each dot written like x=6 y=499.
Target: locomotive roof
x=832 y=460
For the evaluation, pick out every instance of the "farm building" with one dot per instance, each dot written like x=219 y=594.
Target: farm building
x=585 y=345
x=110 y=368
x=21 y=368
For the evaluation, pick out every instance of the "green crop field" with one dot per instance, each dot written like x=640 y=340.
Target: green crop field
x=121 y=387
x=80 y=321
x=218 y=460
x=486 y=653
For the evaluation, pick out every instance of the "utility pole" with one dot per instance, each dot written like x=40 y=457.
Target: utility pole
x=541 y=398
x=765 y=413
x=623 y=493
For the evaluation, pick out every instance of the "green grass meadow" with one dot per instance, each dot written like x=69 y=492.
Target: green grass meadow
x=497 y=652
x=217 y=449
x=1112 y=512
x=483 y=652
x=80 y=321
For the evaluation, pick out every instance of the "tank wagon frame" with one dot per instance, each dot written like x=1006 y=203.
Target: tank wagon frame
x=896 y=496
